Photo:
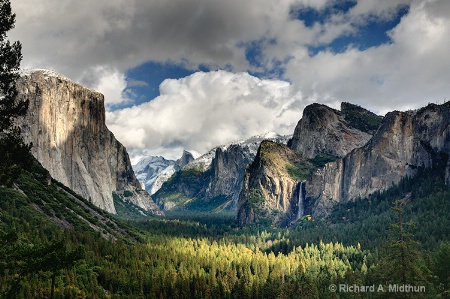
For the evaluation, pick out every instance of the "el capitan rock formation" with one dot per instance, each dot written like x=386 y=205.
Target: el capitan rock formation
x=66 y=124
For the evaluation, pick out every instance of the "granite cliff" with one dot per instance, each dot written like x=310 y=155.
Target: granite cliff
x=401 y=144
x=212 y=181
x=405 y=141
x=275 y=186
x=66 y=124
x=326 y=131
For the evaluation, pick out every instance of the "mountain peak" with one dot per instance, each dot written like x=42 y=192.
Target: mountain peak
x=44 y=72
x=324 y=130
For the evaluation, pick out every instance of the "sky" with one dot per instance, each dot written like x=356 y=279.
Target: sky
x=194 y=74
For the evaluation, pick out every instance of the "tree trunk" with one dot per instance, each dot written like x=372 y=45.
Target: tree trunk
x=52 y=292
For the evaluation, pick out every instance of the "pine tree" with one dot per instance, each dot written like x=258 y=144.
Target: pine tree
x=14 y=152
x=401 y=262
x=52 y=258
x=442 y=268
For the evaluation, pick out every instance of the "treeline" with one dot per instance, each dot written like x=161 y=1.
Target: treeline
x=212 y=257
x=54 y=244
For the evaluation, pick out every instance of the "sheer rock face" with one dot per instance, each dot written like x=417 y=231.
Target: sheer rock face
x=323 y=130
x=269 y=192
x=66 y=124
x=404 y=141
x=185 y=159
x=228 y=168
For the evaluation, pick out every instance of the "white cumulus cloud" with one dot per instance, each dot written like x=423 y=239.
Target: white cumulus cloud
x=203 y=110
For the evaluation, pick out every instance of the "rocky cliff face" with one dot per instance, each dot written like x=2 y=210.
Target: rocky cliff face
x=185 y=159
x=323 y=134
x=404 y=142
x=323 y=130
x=227 y=172
x=273 y=189
x=66 y=124
x=214 y=180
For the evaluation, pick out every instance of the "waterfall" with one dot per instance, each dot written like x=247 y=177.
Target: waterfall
x=301 y=198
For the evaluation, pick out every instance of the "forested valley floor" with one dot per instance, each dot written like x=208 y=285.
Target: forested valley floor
x=54 y=243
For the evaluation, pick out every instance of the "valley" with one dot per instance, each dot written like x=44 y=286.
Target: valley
x=210 y=255
x=253 y=175
x=242 y=221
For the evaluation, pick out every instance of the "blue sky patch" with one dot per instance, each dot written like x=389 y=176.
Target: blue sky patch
x=144 y=80
x=373 y=33
x=310 y=16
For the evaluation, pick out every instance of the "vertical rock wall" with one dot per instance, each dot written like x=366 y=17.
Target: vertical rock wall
x=404 y=142
x=66 y=124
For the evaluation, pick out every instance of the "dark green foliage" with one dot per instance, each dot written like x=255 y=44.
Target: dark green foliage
x=304 y=169
x=127 y=193
x=215 y=205
x=300 y=171
x=401 y=260
x=256 y=197
x=51 y=258
x=184 y=190
x=15 y=156
x=320 y=160
x=12 y=148
x=441 y=265
x=360 y=118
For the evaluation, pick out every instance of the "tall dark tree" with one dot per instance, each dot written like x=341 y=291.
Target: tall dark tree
x=14 y=152
x=401 y=263
x=442 y=268
x=52 y=258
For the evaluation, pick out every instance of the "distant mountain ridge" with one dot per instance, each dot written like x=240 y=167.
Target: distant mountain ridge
x=213 y=180
x=153 y=171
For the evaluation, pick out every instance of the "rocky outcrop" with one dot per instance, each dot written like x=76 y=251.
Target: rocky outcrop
x=326 y=131
x=227 y=172
x=404 y=142
x=185 y=159
x=322 y=135
x=66 y=124
x=214 y=180
x=273 y=188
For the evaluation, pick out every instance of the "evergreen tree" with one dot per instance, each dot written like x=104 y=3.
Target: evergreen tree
x=442 y=268
x=401 y=263
x=52 y=258
x=14 y=152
